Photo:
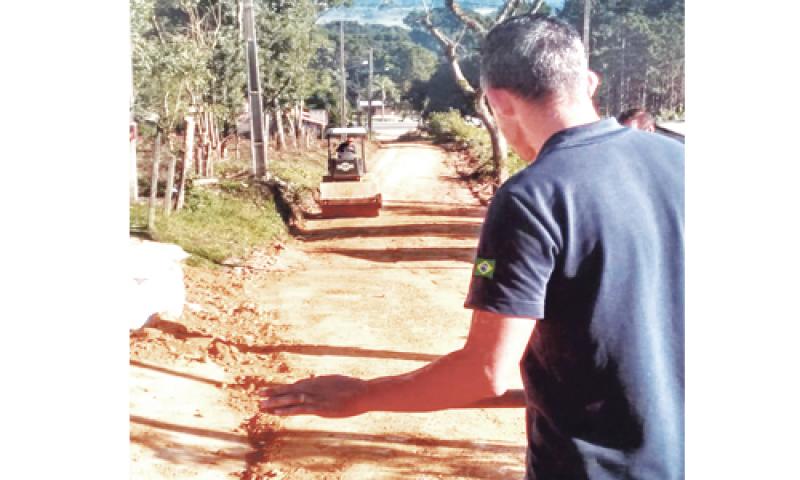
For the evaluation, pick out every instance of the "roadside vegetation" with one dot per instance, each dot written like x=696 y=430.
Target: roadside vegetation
x=218 y=224
x=227 y=219
x=451 y=130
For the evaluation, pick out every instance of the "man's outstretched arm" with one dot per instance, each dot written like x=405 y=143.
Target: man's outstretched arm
x=478 y=370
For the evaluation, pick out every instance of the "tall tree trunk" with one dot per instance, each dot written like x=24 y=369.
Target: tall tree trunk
x=290 y=121
x=450 y=48
x=199 y=159
x=173 y=163
x=187 y=160
x=151 y=211
x=266 y=142
x=499 y=143
x=673 y=97
x=205 y=144
x=134 y=174
x=215 y=150
x=236 y=146
x=622 y=74
x=301 y=129
x=279 y=127
x=196 y=154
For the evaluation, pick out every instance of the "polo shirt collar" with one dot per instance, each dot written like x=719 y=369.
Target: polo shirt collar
x=582 y=134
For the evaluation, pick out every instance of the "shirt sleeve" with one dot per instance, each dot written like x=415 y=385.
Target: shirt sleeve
x=515 y=258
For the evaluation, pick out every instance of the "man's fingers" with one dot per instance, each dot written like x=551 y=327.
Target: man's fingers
x=287 y=400
x=285 y=389
x=296 y=410
x=273 y=391
x=292 y=404
x=279 y=390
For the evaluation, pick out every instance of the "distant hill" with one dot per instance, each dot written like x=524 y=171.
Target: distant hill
x=392 y=12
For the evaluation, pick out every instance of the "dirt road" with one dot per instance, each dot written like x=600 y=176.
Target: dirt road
x=362 y=297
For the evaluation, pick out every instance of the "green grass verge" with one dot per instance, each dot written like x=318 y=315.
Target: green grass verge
x=216 y=224
x=304 y=170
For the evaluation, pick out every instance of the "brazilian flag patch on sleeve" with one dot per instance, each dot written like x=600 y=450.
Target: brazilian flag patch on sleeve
x=483 y=268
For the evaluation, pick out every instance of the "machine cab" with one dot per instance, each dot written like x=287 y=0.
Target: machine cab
x=346 y=153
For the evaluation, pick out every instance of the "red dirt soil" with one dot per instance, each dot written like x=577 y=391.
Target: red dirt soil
x=360 y=296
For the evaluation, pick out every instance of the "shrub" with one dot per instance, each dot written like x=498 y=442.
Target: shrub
x=450 y=127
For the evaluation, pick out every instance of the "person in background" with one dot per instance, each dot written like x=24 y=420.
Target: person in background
x=637 y=118
x=577 y=282
x=346 y=146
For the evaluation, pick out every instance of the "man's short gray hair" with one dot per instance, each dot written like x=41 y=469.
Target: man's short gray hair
x=535 y=57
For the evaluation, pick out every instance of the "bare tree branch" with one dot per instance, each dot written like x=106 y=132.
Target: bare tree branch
x=536 y=7
x=470 y=22
x=477 y=96
x=460 y=36
x=508 y=9
x=441 y=37
x=450 y=47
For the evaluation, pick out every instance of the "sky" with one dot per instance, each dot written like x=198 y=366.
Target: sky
x=367 y=11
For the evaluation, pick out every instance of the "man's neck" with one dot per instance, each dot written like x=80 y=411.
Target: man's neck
x=544 y=121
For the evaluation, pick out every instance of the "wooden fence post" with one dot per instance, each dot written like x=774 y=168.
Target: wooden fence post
x=133 y=172
x=173 y=161
x=151 y=211
x=187 y=160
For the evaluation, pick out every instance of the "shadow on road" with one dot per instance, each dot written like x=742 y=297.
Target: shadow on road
x=392 y=255
x=336 y=351
x=203 y=432
x=464 y=230
x=189 y=376
x=452 y=458
x=434 y=209
x=164 y=446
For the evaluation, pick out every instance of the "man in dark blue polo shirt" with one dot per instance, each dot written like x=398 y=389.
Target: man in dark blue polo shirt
x=578 y=280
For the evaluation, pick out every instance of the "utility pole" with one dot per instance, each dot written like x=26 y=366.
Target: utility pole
x=258 y=148
x=343 y=109
x=587 y=13
x=369 y=98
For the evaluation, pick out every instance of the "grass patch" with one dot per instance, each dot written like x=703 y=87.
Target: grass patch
x=304 y=169
x=216 y=224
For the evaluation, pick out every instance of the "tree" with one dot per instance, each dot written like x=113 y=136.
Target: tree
x=441 y=93
x=169 y=69
x=395 y=56
x=387 y=89
x=287 y=58
x=637 y=47
x=451 y=46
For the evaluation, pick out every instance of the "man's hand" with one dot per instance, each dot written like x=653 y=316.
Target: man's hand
x=333 y=396
x=475 y=373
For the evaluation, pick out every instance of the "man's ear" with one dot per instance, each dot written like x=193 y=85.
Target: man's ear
x=501 y=101
x=593 y=81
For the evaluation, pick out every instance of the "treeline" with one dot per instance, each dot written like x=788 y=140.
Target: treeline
x=637 y=47
x=398 y=62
